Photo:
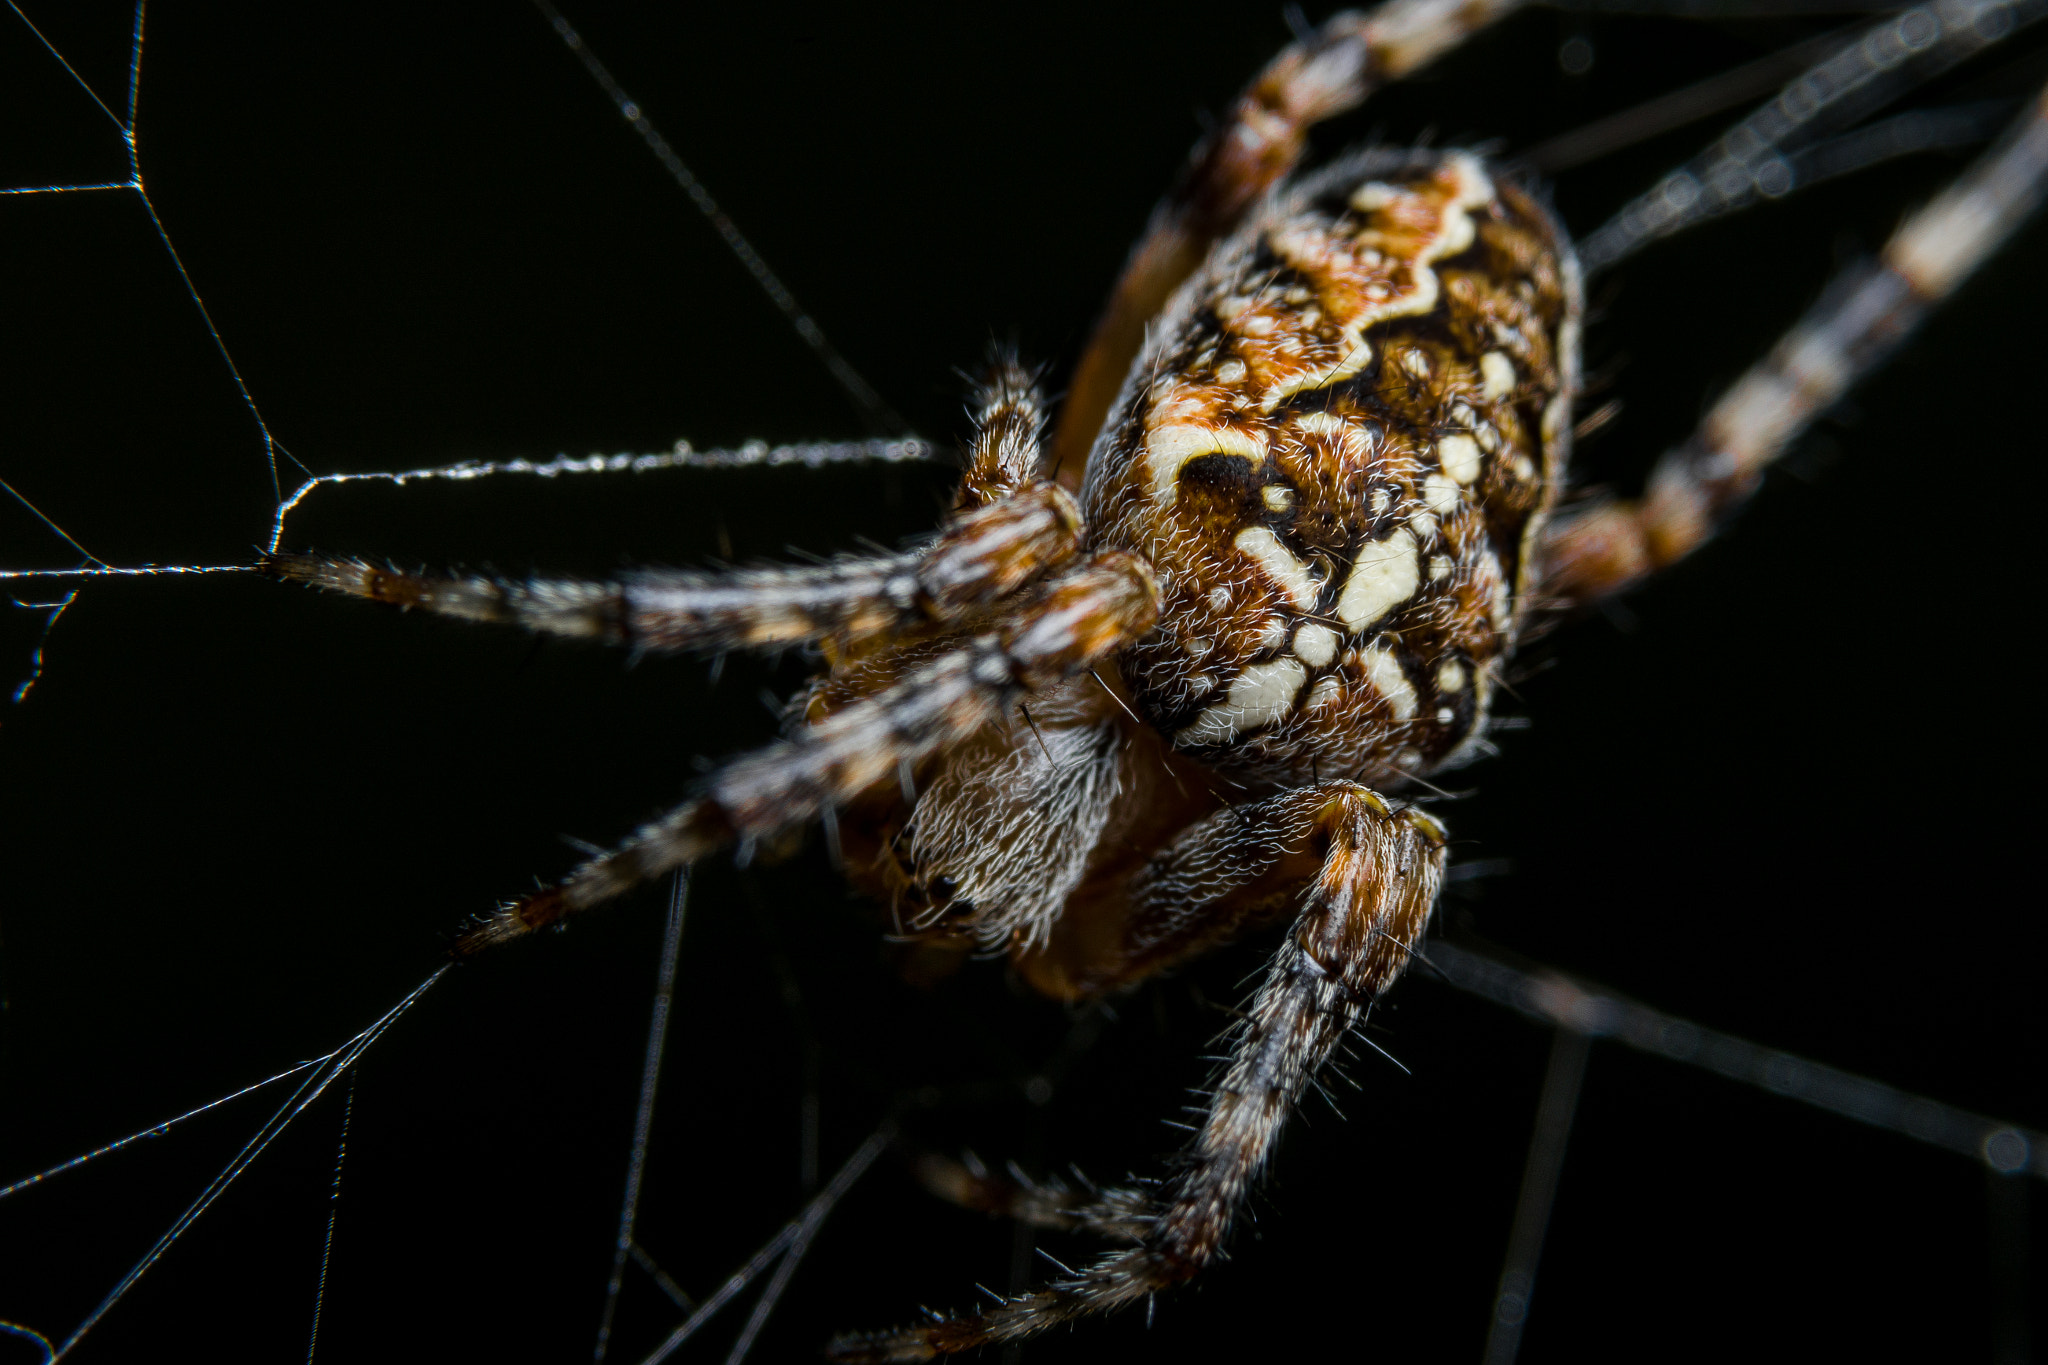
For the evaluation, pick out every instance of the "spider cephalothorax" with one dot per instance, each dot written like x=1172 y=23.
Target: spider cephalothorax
x=1164 y=676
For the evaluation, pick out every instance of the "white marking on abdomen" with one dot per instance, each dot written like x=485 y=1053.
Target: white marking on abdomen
x=1258 y=696
x=1316 y=644
x=1497 y=372
x=1455 y=232
x=1384 y=576
x=1280 y=564
x=1375 y=194
x=1356 y=441
x=1170 y=447
x=1460 y=457
x=1384 y=672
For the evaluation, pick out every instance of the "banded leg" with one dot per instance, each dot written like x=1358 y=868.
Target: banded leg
x=1261 y=140
x=1610 y=544
x=1124 y=1215
x=986 y=554
x=1008 y=450
x=1753 y=159
x=1009 y=529
x=1075 y=621
x=1367 y=905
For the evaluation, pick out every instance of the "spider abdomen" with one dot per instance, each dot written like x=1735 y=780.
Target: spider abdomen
x=1336 y=449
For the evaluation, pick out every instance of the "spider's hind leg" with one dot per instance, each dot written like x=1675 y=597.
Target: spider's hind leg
x=1375 y=875
x=1120 y=1214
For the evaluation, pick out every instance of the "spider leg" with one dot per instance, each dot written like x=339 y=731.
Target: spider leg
x=1256 y=145
x=986 y=554
x=1755 y=158
x=1009 y=529
x=1071 y=623
x=1609 y=544
x=1368 y=902
x=1007 y=452
x=1124 y=1215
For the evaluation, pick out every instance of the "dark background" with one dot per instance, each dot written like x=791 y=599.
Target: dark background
x=1786 y=792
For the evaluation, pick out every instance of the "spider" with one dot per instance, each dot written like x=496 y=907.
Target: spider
x=212 y=658
x=1179 y=666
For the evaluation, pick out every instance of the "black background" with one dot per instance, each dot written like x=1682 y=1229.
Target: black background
x=1787 y=792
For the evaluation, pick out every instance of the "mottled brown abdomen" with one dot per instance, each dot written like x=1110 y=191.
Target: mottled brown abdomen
x=1335 y=450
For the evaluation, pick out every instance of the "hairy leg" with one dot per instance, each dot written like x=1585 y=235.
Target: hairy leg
x=1367 y=906
x=1863 y=73
x=1124 y=1215
x=985 y=555
x=1610 y=544
x=1009 y=529
x=1007 y=454
x=1256 y=145
x=1068 y=625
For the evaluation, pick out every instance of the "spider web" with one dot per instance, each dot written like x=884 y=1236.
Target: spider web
x=242 y=815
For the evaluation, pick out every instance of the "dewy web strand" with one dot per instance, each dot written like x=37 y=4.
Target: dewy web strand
x=880 y=417
x=793 y=1243
x=128 y=132
x=348 y=1111
x=806 y=454
x=643 y=1117
x=682 y=456
x=326 y=1071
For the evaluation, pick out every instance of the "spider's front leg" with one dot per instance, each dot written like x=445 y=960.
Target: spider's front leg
x=1065 y=626
x=1256 y=145
x=1010 y=528
x=986 y=554
x=1372 y=872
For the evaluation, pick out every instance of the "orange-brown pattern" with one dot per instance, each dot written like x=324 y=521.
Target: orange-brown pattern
x=1335 y=450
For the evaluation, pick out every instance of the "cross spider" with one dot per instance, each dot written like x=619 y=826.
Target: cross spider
x=302 y=799
x=1180 y=668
